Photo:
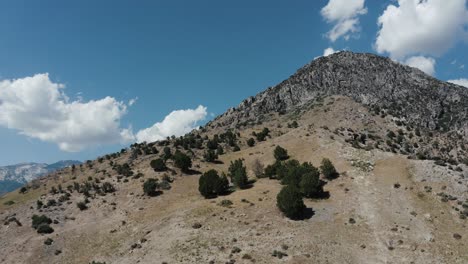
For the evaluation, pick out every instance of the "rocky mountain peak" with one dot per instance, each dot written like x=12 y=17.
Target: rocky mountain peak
x=377 y=82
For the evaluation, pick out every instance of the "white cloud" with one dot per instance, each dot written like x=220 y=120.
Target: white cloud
x=425 y=64
x=462 y=82
x=132 y=101
x=344 y=14
x=177 y=123
x=329 y=51
x=415 y=27
x=38 y=108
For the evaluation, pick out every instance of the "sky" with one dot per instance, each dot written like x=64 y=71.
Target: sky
x=79 y=79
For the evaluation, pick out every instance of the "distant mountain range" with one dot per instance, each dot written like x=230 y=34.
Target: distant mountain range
x=14 y=176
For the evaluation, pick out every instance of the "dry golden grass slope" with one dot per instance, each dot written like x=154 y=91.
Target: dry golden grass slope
x=365 y=220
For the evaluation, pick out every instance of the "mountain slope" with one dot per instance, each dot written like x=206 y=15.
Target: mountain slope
x=14 y=176
x=389 y=205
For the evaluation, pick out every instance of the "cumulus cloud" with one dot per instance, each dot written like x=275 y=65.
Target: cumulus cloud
x=38 y=108
x=425 y=64
x=329 y=51
x=344 y=14
x=461 y=82
x=421 y=27
x=177 y=123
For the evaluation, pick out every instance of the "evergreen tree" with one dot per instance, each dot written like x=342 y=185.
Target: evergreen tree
x=289 y=201
x=310 y=185
x=280 y=153
x=211 y=184
x=158 y=165
x=210 y=156
x=150 y=187
x=251 y=142
x=328 y=170
x=238 y=174
x=182 y=161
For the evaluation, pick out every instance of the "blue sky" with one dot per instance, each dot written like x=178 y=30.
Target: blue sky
x=173 y=55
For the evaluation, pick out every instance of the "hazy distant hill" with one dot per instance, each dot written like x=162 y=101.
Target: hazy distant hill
x=14 y=176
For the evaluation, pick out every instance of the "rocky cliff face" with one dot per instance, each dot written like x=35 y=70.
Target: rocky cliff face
x=377 y=82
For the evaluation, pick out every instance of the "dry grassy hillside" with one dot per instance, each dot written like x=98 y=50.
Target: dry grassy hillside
x=383 y=208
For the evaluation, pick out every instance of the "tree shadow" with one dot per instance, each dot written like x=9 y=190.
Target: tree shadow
x=217 y=162
x=321 y=196
x=192 y=172
x=306 y=214
x=155 y=193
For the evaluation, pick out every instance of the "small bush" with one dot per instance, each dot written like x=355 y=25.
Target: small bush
x=44 y=229
x=48 y=241
x=38 y=220
x=150 y=187
x=182 y=161
x=23 y=190
x=280 y=153
x=158 y=165
x=262 y=135
x=82 y=206
x=220 y=150
x=251 y=142
x=289 y=201
x=42 y=224
x=107 y=187
x=328 y=170
x=210 y=156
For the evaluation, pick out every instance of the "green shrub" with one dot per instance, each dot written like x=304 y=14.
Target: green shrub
x=328 y=170
x=123 y=169
x=220 y=150
x=280 y=153
x=182 y=161
x=158 y=165
x=44 y=229
x=289 y=201
x=238 y=174
x=212 y=144
x=82 y=206
x=150 y=187
x=167 y=154
x=107 y=187
x=292 y=172
x=251 y=142
x=310 y=185
x=210 y=156
x=38 y=220
x=262 y=135
x=42 y=224
x=211 y=184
